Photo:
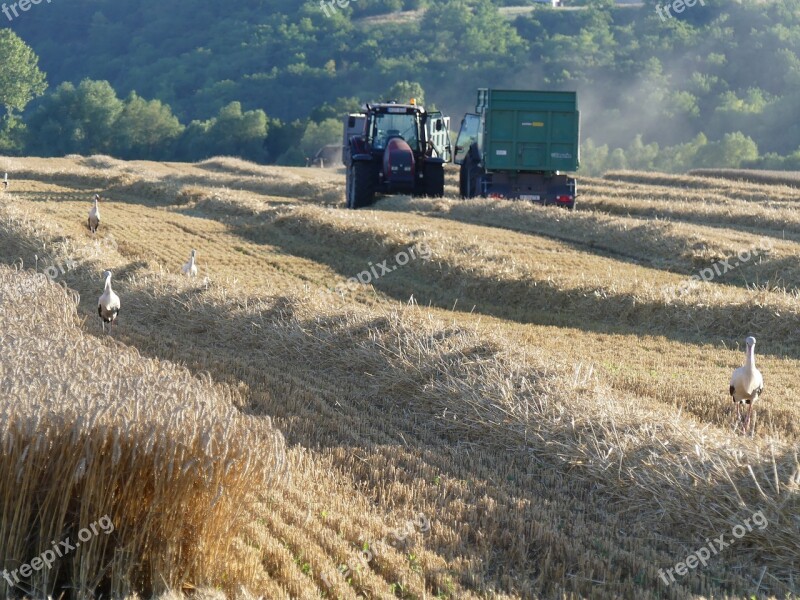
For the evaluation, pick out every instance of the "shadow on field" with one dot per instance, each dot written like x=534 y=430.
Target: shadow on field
x=661 y=250
x=70 y=196
x=445 y=285
x=530 y=504
x=393 y=420
x=80 y=181
x=331 y=384
x=174 y=189
x=545 y=222
x=755 y=224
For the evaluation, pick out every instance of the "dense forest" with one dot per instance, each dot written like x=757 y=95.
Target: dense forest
x=716 y=84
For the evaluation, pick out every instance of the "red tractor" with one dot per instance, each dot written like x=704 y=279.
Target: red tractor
x=394 y=148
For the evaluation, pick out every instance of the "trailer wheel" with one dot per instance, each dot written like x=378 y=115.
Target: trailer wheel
x=471 y=173
x=468 y=181
x=360 y=185
x=472 y=179
x=462 y=181
x=434 y=180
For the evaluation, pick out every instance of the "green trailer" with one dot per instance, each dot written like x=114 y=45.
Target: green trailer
x=520 y=144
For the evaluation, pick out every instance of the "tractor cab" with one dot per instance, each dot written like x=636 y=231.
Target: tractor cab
x=384 y=126
x=394 y=148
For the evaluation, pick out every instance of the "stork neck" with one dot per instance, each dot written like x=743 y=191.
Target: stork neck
x=750 y=361
x=108 y=283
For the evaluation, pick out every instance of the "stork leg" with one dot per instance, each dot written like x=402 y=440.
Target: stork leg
x=742 y=418
x=747 y=421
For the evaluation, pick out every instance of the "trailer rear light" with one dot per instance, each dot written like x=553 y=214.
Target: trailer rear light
x=564 y=199
x=497 y=196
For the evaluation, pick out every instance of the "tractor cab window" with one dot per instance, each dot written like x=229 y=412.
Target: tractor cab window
x=385 y=126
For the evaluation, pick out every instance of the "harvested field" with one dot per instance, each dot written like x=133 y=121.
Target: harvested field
x=522 y=402
x=789 y=178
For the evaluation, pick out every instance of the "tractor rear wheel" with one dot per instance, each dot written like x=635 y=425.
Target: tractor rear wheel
x=434 y=180
x=348 y=185
x=360 y=185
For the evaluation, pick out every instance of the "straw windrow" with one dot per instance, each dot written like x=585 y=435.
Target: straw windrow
x=533 y=390
x=92 y=430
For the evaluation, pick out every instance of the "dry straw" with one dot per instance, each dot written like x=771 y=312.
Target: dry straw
x=789 y=178
x=546 y=472
x=90 y=428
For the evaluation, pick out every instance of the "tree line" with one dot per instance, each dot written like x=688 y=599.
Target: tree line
x=269 y=79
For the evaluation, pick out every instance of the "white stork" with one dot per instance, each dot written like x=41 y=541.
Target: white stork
x=108 y=304
x=746 y=385
x=5 y=181
x=190 y=268
x=94 y=215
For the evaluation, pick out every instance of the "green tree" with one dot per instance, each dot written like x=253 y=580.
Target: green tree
x=12 y=135
x=403 y=91
x=336 y=110
x=475 y=32
x=283 y=138
x=731 y=151
x=641 y=156
x=617 y=160
x=681 y=157
x=593 y=158
x=20 y=78
x=238 y=133
x=75 y=120
x=145 y=129
x=194 y=144
x=320 y=134
x=20 y=82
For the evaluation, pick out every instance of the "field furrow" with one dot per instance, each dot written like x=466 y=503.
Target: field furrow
x=532 y=401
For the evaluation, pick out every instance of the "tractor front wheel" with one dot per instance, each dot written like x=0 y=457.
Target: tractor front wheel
x=360 y=185
x=434 y=180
